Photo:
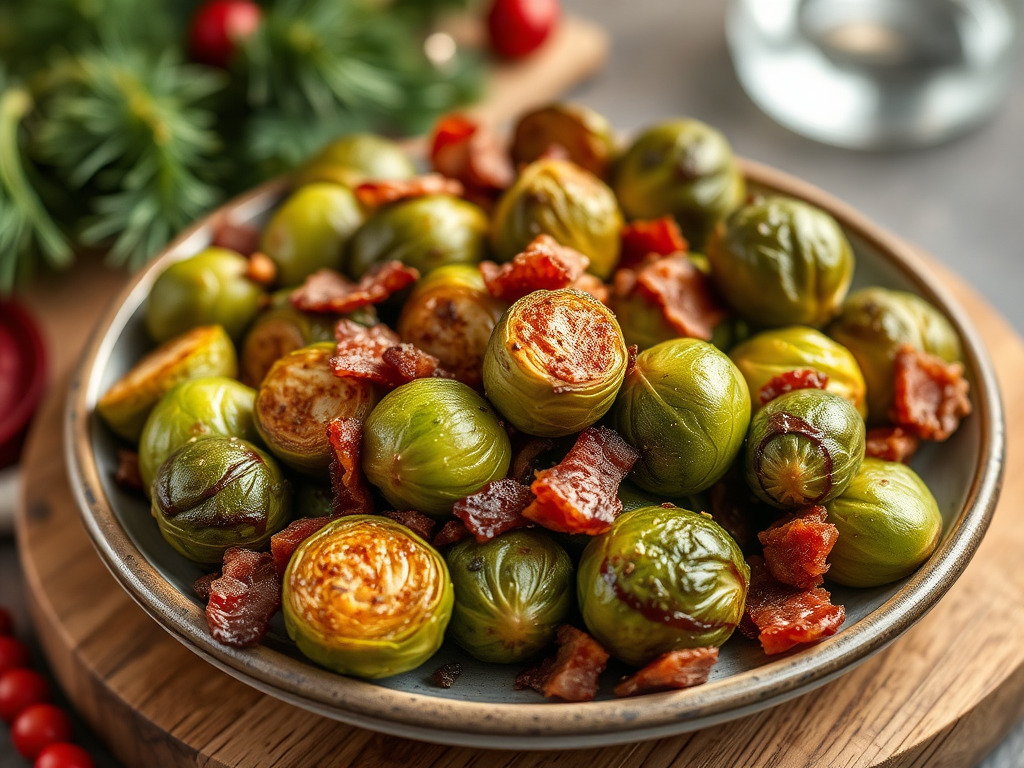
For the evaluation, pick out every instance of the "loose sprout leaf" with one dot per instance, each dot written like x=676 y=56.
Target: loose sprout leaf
x=451 y=532
x=351 y=492
x=544 y=265
x=329 y=291
x=891 y=444
x=495 y=509
x=579 y=664
x=672 y=670
x=360 y=352
x=383 y=191
x=930 y=395
x=244 y=598
x=797 y=546
x=409 y=363
x=284 y=543
x=416 y=522
x=805 y=378
x=643 y=239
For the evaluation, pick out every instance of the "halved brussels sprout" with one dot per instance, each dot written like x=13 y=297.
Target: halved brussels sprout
x=555 y=362
x=310 y=231
x=584 y=134
x=773 y=353
x=511 y=593
x=353 y=159
x=210 y=288
x=804 y=448
x=298 y=398
x=660 y=580
x=217 y=493
x=431 y=442
x=366 y=596
x=889 y=524
x=205 y=351
x=686 y=408
x=558 y=198
x=424 y=233
x=684 y=168
x=780 y=261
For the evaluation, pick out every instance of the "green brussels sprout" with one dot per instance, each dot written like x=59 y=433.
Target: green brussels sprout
x=217 y=493
x=889 y=523
x=431 y=442
x=558 y=198
x=353 y=159
x=511 y=593
x=366 y=596
x=875 y=323
x=424 y=233
x=197 y=408
x=298 y=398
x=684 y=168
x=634 y=497
x=779 y=261
x=555 y=362
x=203 y=351
x=450 y=314
x=660 y=580
x=310 y=230
x=772 y=353
x=686 y=408
x=804 y=448
x=210 y=288
x=584 y=134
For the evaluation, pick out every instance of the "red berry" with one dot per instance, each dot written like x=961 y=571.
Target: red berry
x=37 y=727
x=518 y=27
x=219 y=26
x=19 y=689
x=13 y=654
x=6 y=623
x=63 y=756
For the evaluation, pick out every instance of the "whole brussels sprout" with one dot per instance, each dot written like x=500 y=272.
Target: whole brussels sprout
x=366 y=596
x=511 y=593
x=217 y=493
x=772 y=353
x=558 y=198
x=198 y=408
x=660 y=580
x=634 y=497
x=875 y=323
x=684 y=168
x=804 y=448
x=298 y=398
x=780 y=261
x=450 y=314
x=889 y=523
x=584 y=134
x=210 y=288
x=686 y=408
x=424 y=233
x=353 y=159
x=431 y=442
x=310 y=230
x=555 y=362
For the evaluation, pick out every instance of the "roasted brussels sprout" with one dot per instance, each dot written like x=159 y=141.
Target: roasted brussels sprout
x=889 y=524
x=875 y=323
x=586 y=136
x=660 y=580
x=217 y=493
x=198 y=408
x=424 y=233
x=204 y=351
x=298 y=398
x=210 y=288
x=450 y=314
x=310 y=231
x=558 y=198
x=779 y=261
x=804 y=448
x=686 y=408
x=684 y=168
x=432 y=442
x=355 y=158
x=511 y=594
x=773 y=353
x=555 y=362
x=366 y=596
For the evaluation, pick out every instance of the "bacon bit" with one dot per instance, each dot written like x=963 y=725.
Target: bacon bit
x=544 y=265
x=244 y=598
x=891 y=444
x=684 y=293
x=524 y=463
x=262 y=270
x=351 y=493
x=416 y=522
x=461 y=149
x=451 y=532
x=446 y=675
x=797 y=546
x=201 y=586
x=494 y=509
x=675 y=669
x=284 y=543
x=632 y=351
x=580 y=494
x=593 y=285
x=805 y=378
x=410 y=363
x=781 y=616
x=384 y=191
x=930 y=394
x=127 y=475
x=641 y=239
x=360 y=352
x=579 y=664
x=241 y=238
x=535 y=677
x=553 y=151
x=451 y=130
x=329 y=291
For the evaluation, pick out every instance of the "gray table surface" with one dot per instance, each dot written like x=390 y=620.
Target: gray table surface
x=962 y=201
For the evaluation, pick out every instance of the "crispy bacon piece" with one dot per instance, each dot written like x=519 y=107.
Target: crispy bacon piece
x=201 y=586
x=127 y=475
x=328 y=291
x=451 y=532
x=535 y=676
x=244 y=598
x=360 y=352
x=416 y=522
x=351 y=492
x=579 y=664
x=238 y=237
x=494 y=509
x=384 y=191
x=446 y=675
x=805 y=378
x=284 y=543
x=930 y=395
x=796 y=547
x=544 y=265
x=262 y=270
x=580 y=494
x=462 y=149
x=528 y=450
x=675 y=669
x=891 y=444
x=632 y=351
x=410 y=362
x=657 y=237
x=782 y=617
x=593 y=285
